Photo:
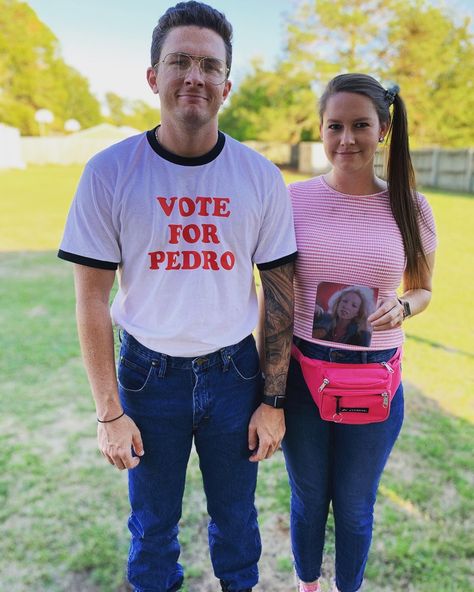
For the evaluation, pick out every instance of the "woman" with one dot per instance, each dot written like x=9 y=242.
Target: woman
x=354 y=229
x=346 y=319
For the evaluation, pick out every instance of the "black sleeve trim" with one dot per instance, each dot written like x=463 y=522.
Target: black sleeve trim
x=277 y=262
x=87 y=261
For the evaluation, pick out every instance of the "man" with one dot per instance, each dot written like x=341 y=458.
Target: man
x=183 y=212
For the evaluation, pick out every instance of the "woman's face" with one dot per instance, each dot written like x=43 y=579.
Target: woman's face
x=349 y=306
x=350 y=131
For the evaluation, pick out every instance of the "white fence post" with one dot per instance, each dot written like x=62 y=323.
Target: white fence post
x=469 y=187
x=434 y=167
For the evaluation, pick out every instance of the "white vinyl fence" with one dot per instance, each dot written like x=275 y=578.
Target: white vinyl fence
x=10 y=148
x=76 y=148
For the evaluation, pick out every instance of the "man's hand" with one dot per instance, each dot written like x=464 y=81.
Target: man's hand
x=116 y=440
x=266 y=431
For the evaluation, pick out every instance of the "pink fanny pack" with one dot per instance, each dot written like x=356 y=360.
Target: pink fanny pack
x=351 y=393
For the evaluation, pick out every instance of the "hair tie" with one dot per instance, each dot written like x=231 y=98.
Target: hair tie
x=391 y=93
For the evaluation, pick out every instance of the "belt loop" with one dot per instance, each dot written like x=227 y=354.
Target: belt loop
x=363 y=357
x=160 y=365
x=226 y=357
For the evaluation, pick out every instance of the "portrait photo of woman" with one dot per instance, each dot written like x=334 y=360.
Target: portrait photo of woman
x=345 y=318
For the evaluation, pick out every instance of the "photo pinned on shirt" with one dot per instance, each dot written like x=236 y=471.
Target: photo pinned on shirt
x=341 y=313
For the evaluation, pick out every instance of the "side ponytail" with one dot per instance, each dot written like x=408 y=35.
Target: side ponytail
x=402 y=190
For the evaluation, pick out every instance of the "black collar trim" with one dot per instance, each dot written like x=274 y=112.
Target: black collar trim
x=184 y=160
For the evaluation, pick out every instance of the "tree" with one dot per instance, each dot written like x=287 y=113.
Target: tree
x=324 y=38
x=410 y=42
x=327 y=37
x=272 y=106
x=136 y=113
x=419 y=46
x=34 y=76
x=431 y=58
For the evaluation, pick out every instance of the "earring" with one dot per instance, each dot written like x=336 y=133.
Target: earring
x=381 y=139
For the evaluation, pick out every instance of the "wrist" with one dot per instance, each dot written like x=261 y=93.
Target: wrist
x=107 y=404
x=107 y=412
x=111 y=419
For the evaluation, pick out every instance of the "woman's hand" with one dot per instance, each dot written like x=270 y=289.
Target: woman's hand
x=389 y=315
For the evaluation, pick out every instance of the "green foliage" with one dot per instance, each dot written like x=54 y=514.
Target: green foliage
x=431 y=58
x=327 y=37
x=137 y=114
x=34 y=76
x=419 y=46
x=272 y=106
x=415 y=44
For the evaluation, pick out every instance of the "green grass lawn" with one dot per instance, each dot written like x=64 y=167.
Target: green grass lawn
x=63 y=510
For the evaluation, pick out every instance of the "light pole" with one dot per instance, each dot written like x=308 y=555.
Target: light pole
x=72 y=125
x=43 y=117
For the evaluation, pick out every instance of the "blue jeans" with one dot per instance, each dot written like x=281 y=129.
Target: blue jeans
x=341 y=464
x=173 y=400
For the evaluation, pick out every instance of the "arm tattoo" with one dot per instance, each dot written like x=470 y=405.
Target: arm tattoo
x=278 y=325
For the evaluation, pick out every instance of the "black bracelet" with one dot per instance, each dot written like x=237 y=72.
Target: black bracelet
x=275 y=401
x=110 y=420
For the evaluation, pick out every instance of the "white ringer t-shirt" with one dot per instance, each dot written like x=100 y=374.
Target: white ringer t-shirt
x=184 y=234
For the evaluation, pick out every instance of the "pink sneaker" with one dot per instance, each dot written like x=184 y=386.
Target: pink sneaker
x=314 y=587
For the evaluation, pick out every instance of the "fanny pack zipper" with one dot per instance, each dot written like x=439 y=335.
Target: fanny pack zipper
x=326 y=381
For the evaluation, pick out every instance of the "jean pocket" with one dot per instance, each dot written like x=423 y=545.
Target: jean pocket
x=133 y=374
x=246 y=363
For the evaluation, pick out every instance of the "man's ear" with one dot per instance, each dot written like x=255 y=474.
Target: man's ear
x=226 y=90
x=152 y=78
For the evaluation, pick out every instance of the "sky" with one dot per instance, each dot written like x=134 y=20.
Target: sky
x=108 y=41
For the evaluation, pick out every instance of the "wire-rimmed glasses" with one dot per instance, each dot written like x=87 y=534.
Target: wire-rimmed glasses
x=178 y=64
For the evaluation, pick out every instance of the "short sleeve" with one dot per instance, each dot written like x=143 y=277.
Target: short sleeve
x=91 y=235
x=276 y=242
x=427 y=225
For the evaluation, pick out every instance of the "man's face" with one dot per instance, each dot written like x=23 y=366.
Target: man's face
x=190 y=99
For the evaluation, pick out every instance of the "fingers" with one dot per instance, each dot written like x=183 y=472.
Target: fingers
x=265 y=450
x=253 y=438
x=389 y=315
x=137 y=443
x=116 y=442
x=266 y=431
x=120 y=458
x=267 y=446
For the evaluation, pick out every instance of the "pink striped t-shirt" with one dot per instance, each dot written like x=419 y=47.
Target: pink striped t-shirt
x=351 y=240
